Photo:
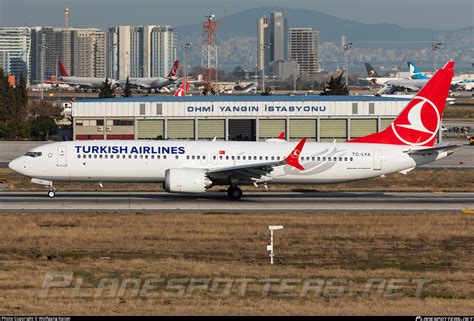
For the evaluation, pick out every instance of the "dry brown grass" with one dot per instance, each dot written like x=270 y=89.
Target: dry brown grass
x=448 y=180
x=353 y=246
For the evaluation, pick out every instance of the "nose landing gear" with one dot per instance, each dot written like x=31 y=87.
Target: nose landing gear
x=234 y=192
x=52 y=192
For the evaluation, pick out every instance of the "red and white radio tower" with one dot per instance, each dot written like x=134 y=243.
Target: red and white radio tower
x=209 y=61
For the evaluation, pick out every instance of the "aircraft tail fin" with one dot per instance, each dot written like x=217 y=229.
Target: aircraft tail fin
x=371 y=70
x=174 y=70
x=62 y=70
x=419 y=122
x=414 y=72
x=180 y=91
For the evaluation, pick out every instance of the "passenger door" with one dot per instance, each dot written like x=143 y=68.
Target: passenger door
x=377 y=160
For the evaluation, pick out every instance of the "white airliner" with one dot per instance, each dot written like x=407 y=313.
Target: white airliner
x=152 y=83
x=82 y=82
x=195 y=166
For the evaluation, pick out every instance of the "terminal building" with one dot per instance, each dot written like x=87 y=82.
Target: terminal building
x=243 y=118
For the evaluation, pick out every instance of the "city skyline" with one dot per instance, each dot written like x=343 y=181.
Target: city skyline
x=184 y=12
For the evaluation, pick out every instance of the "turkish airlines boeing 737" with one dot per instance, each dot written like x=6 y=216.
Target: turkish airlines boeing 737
x=195 y=166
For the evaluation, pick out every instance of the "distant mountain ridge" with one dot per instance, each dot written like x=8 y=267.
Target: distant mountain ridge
x=331 y=28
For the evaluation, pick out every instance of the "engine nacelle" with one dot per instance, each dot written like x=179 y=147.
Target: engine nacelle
x=186 y=180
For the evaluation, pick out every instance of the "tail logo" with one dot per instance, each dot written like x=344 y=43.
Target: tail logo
x=295 y=154
x=421 y=124
x=372 y=73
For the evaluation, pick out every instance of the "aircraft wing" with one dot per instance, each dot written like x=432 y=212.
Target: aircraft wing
x=140 y=84
x=254 y=172
x=410 y=87
x=250 y=172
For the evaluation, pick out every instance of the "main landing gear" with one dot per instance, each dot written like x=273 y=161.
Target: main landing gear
x=52 y=192
x=234 y=192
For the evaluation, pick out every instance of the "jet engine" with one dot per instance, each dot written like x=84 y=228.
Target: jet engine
x=186 y=180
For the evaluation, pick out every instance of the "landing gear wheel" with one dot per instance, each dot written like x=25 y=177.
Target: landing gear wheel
x=52 y=193
x=234 y=192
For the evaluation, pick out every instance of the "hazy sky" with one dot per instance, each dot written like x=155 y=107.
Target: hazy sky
x=436 y=14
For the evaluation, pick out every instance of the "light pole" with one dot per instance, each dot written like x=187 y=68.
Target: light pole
x=43 y=47
x=436 y=46
x=265 y=46
x=347 y=46
x=186 y=46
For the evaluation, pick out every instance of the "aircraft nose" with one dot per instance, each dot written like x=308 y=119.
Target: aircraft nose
x=16 y=165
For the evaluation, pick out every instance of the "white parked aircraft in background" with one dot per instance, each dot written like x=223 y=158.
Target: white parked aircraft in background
x=152 y=83
x=82 y=82
x=195 y=166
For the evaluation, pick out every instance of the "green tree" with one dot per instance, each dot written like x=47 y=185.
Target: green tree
x=19 y=118
x=45 y=108
x=43 y=126
x=335 y=87
x=107 y=91
x=127 y=92
x=13 y=112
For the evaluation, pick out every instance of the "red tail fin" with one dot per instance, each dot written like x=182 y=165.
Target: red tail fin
x=419 y=121
x=180 y=90
x=62 y=70
x=174 y=70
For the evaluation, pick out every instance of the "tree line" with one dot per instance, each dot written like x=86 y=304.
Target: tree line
x=21 y=119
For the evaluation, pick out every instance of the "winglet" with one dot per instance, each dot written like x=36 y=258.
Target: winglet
x=282 y=135
x=293 y=158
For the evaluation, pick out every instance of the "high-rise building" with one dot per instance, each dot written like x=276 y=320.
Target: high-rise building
x=278 y=37
x=272 y=43
x=15 y=50
x=142 y=51
x=163 y=50
x=81 y=51
x=52 y=45
x=304 y=49
x=89 y=53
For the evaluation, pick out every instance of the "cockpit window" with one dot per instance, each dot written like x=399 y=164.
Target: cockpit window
x=33 y=154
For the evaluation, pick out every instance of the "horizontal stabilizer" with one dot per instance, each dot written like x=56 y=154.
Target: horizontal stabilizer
x=431 y=150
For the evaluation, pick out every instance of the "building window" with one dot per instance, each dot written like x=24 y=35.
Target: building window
x=142 y=109
x=159 y=109
x=371 y=108
x=355 y=108
x=123 y=122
